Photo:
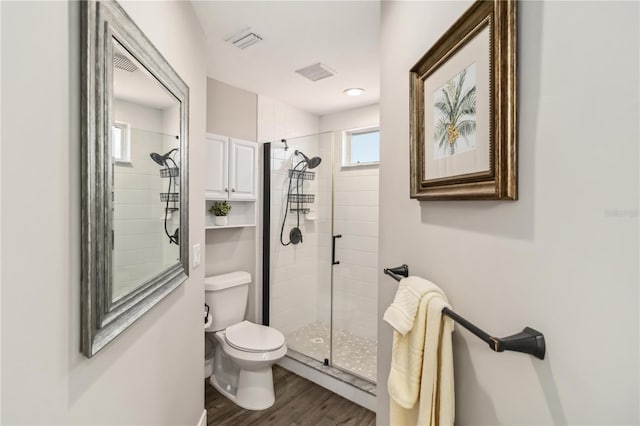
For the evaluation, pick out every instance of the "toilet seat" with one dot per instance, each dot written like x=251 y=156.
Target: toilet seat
x=249 y=337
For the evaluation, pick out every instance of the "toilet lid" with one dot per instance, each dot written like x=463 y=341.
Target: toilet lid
x=250 y=337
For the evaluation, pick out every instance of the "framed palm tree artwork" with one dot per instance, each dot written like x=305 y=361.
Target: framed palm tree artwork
x=463 y=109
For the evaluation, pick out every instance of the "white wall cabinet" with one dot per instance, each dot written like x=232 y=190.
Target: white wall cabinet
x=217 y=167
x=231 y=174
x=231 y=169
x=243 y=169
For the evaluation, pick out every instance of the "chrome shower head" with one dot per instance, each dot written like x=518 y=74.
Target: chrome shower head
x=312 y=163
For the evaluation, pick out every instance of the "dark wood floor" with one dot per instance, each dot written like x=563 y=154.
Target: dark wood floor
x=298 y=402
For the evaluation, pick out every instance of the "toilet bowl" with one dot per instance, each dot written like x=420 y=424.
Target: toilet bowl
x=245 y=352
x=253 y=349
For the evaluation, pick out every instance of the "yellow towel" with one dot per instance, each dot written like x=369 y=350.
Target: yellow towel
x=421 y=378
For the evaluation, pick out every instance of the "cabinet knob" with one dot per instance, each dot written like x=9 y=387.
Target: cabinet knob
x=233 y=190
x=226 y=190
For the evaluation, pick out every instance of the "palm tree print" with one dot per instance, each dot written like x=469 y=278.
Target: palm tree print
x=457 y=112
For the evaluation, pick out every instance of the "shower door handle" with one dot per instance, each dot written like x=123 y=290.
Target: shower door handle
x=333 y=250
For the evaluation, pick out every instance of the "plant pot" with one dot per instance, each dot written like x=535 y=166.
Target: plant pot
x=221 y=220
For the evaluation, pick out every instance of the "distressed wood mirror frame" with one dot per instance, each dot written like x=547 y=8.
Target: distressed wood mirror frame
x=500 y=180
x=103 y=319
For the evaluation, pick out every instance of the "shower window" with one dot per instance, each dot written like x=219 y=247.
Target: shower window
x=121 y=142
x=361 y=147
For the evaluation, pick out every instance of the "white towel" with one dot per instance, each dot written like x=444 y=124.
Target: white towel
x=421 y=378
x=402 y=312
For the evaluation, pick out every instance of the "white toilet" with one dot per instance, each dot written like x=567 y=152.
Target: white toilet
x=245 y=351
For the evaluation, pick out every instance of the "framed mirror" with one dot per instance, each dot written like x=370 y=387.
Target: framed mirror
x=135 y=221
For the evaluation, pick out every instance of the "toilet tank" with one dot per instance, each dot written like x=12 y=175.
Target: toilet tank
x=227 y=296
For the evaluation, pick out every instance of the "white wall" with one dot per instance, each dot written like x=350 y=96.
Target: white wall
x=352 y=118
x=140 y=116
x=232 y=112
x=355 y=214
x=151 y=374
x=277 y=120
x=563 y=258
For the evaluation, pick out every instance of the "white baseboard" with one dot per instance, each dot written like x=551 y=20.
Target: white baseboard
x=203 y=419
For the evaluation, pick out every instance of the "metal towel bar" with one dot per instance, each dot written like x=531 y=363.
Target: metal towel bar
x=528 y=341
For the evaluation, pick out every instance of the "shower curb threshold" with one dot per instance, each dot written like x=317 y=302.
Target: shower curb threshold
x=350 y=379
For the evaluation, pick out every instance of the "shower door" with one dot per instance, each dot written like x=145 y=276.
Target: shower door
x=300 y=249
x=354 y=284
x=316 y=294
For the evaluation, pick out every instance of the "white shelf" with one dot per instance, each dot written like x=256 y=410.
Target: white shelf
x=242 y=214
x=227 y=199
x=229 y=226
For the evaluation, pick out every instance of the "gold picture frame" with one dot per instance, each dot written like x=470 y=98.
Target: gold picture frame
x=463 y=145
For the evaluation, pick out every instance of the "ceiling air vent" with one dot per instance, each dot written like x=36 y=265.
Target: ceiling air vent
x=244 y=39
x=316 y=72
x=124 y=63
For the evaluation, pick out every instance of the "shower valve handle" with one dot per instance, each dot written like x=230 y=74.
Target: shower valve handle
x=333 y=250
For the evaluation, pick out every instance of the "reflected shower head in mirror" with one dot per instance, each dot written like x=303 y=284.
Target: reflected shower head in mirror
x=162 y=159
x=312 y=163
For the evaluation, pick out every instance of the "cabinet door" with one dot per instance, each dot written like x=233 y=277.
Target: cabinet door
x=216 y=181
x=243 y=169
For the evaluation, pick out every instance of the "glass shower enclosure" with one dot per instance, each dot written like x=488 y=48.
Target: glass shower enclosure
x=319 y=291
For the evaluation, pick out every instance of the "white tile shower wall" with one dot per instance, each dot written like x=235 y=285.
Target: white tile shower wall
x=323 y=185
x=293 y=277
x=137 y=210
x=355 y=278
x=171 y=126
x=293 y=300
x=355 y=214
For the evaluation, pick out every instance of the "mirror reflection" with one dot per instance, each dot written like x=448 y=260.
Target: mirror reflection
x=145 y=165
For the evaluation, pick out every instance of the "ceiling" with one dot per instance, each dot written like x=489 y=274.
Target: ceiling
x=139 y=86
x=342 y=35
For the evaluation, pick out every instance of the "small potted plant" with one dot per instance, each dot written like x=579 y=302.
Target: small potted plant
x=220 y=209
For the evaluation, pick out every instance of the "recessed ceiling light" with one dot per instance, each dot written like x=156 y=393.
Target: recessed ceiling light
x=354 y=91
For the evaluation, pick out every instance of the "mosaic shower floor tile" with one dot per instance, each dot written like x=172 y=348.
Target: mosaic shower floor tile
x=353 y=353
